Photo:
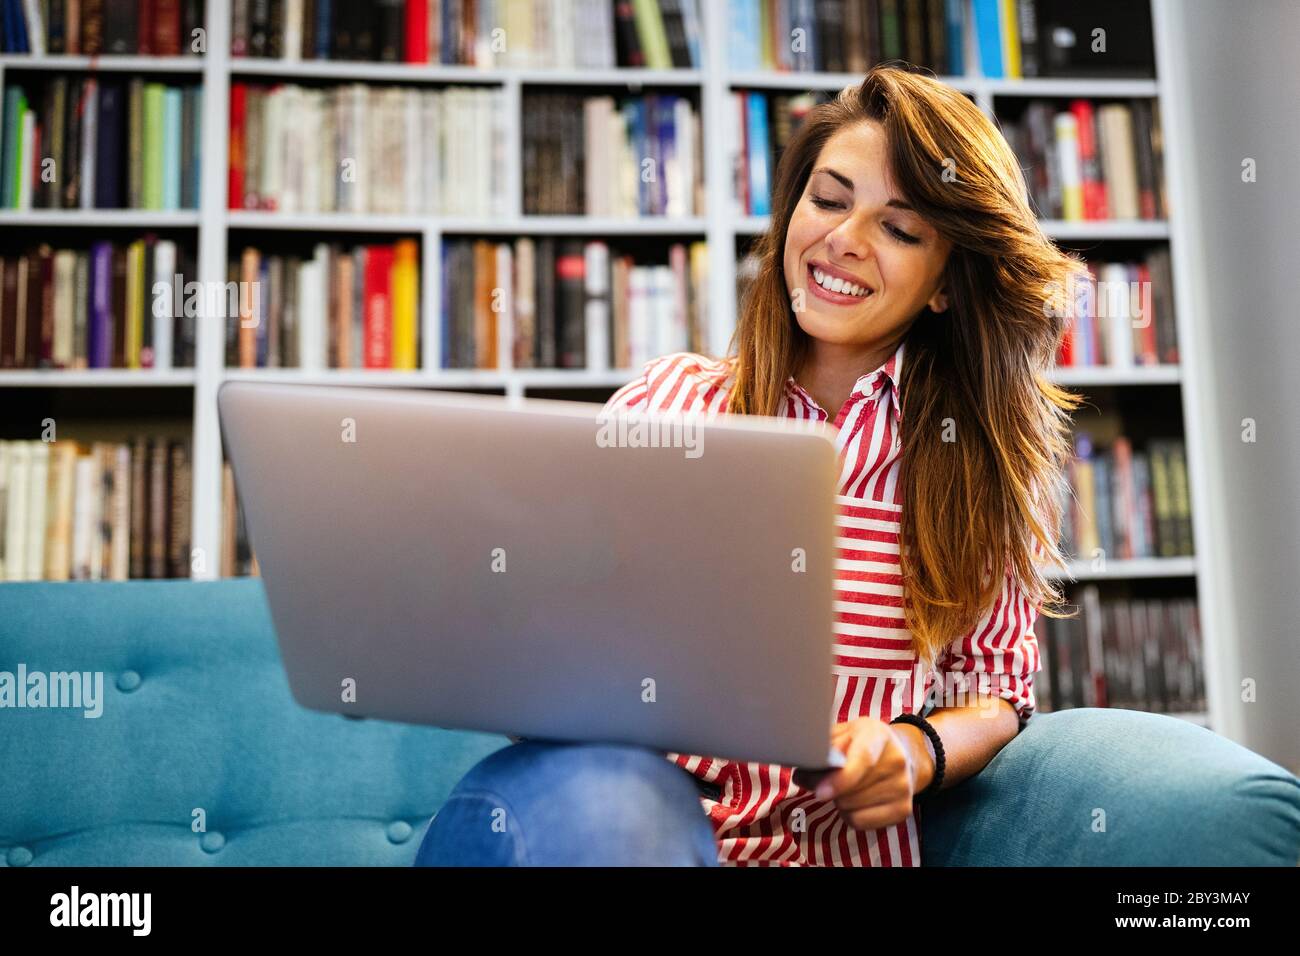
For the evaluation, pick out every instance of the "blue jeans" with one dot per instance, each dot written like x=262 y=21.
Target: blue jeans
x=538 y=803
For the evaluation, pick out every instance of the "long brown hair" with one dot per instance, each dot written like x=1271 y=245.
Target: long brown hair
x=978 y=372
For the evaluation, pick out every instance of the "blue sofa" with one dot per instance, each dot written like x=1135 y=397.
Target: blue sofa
x=202 y=758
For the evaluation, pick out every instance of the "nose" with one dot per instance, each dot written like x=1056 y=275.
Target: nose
x=849 y=239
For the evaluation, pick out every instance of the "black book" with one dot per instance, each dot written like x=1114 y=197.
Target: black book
x=259 y=26
x=340 y=30
x=70 y=173
x=308 y=51
x=364 y=43
x=108 y=147
x=675 y=30
x=275 y=30
x=544 y=356
x=120 y=26
x=626 y=42
x=391 y=14
x=570 y=281
x=1065 y=38
x=56 y=38
x=191 y=20
x=830 y=35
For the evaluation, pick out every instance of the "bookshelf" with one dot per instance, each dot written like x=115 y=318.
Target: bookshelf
x=211 y=226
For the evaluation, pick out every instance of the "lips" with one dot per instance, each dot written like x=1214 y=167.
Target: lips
x=836 y=285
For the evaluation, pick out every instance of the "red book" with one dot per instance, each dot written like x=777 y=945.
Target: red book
x=377 y=296
x=1094 y=187
x=145 y=45
x=167 y=27
x=238 y=110
x=417 y=31
x=1150 y=350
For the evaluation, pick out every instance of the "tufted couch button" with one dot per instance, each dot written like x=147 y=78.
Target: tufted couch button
x=212 y=841
x=18 y=856
x=128 y=681
x=399 y=831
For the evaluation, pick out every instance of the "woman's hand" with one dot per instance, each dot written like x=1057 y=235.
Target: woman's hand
x=885 y=766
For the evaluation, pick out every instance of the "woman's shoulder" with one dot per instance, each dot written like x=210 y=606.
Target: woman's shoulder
x=677 y=381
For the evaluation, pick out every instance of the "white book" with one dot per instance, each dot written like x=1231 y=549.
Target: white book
x=19 y=472
x=320 y=180
x=34 y=15
x=37 y=497
x=431 y=126
x=291 y=48
x=490 y=17
x=638 y=315
x=499 y=202
x=688 y=147
x=599 y=18
x=413 y=148
x=164 y=272
x=343 y=184
x=291 y=148
x=671 y=335
x=273 y=142
x=563 y=31
x=483 y=122
x=678 y=290
x=506 y=308
x=62 y=485
x=313 y=312
x=1066 y=128
x=454 y=173
x=65 y=290
x=356 y=98
x=85 y=517
x=596 y=308
x=89 y=139
x=1114 y=302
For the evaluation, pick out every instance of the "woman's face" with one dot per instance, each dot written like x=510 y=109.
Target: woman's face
x=851 y=225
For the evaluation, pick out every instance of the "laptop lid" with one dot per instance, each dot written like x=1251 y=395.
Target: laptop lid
x=527 y=568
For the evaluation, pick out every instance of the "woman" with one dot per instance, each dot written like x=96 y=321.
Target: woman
x=905 y=295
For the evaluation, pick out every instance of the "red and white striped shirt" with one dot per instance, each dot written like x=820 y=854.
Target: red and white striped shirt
x=763 y=817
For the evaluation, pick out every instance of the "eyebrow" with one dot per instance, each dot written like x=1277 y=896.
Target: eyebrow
x=848 y=184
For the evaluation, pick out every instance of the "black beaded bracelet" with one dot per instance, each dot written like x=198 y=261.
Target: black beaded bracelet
x=917 y=720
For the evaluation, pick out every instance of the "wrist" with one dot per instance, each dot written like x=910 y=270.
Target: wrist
x=920 y=753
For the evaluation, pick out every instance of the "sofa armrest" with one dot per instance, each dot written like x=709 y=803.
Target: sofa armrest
x=1108 y=787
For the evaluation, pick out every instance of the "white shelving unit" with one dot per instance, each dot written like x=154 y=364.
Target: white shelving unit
x=716 y=224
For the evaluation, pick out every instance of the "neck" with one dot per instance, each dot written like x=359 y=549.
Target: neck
x=829 y=370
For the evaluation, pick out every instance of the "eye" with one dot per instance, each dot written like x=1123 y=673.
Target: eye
x=821 y=203
x=903 y=237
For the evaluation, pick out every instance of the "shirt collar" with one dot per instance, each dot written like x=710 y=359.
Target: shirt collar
x=870 y=384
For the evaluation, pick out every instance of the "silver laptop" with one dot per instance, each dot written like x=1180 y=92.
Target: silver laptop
x=530 y=568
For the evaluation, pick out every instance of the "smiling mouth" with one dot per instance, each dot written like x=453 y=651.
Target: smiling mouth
x=834 y=289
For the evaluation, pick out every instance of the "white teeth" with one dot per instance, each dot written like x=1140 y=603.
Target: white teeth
x=836 y=284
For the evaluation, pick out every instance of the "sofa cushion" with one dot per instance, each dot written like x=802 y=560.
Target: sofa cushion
x=200 y=755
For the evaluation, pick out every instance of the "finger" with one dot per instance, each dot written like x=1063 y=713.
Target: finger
x=875 y=818
x=884 y=791
x=862 y=753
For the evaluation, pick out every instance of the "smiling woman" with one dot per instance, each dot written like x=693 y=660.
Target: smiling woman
x=900 y=299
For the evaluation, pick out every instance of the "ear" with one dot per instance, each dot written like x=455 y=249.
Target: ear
x=939 y=301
